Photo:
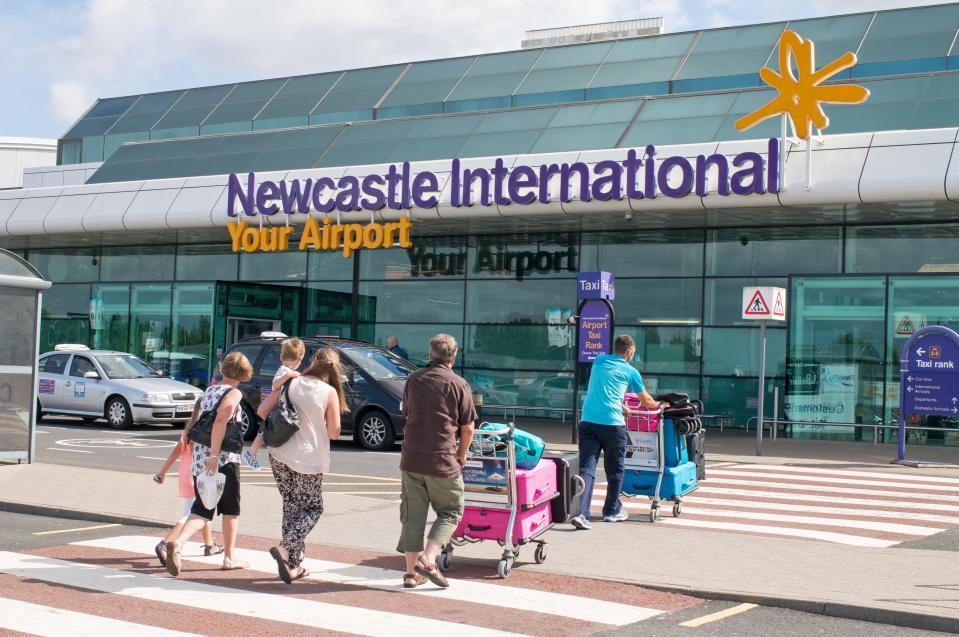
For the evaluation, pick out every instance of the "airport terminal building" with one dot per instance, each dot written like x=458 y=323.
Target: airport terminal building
x=463 y=195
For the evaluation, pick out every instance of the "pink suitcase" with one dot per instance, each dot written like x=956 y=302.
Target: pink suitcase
x=490 y=524
x=639 y=419
x=533 y=485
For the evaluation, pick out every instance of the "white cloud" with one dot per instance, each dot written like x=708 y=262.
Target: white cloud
x=69 y=99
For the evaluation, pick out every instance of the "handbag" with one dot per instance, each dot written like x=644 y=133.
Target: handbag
x=282 y=422
x=202 y=429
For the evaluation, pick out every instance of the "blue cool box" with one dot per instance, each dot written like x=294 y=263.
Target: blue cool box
x=677 y=481
x=529 y=448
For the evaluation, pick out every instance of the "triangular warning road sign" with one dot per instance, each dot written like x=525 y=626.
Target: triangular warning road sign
x=906 y=327
x=778 y=309
x=757 y=305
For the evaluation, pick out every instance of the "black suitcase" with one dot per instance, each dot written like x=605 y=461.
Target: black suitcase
x=696 y=444
x=567 y=505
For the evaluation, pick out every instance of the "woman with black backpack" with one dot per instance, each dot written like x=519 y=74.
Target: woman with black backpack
x=300 y=420
x=217 y=445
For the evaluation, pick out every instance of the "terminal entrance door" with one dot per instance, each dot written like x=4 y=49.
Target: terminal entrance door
x=239 y=328
x=242 y=310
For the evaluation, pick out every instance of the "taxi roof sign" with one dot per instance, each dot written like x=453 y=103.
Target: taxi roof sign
x=764 y=303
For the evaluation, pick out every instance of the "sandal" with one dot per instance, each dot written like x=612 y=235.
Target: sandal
x=282 y=557
x=160 y=550
x=172 y=559
x=412 y=580
x=430 y=572
x=212 y=549
x=234 y=565
x=299 y=573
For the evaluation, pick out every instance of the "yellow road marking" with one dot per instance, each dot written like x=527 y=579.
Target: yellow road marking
x=82 y=528
x=715 y=617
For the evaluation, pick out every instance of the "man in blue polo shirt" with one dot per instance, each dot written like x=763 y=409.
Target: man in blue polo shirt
x=603 y=427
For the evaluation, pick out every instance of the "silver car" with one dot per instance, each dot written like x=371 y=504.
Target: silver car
x=77 y=381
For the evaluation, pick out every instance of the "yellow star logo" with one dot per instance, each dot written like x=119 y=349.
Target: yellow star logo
x=801 y=97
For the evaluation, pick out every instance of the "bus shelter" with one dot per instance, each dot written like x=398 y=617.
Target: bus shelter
x=21 y=291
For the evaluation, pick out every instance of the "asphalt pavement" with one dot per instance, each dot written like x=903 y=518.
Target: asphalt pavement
x=78 y=544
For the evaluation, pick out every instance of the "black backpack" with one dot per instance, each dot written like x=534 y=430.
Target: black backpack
x=683 y=412
x=202 y=429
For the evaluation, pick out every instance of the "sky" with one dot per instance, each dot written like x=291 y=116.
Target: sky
x=58 y=56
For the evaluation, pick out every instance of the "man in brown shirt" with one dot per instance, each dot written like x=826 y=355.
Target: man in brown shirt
x=438 y=406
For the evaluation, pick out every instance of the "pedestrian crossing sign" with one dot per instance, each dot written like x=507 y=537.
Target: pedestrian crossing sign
x=767 y=303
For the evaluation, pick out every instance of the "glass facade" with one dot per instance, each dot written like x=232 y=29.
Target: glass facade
x=506 y=299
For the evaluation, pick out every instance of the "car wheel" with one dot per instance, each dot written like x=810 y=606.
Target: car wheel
x=375 y=431
x=39 y=412
x=118 y=413
x=246 y=419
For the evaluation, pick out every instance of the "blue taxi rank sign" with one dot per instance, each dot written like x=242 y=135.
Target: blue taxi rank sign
x=928 y=376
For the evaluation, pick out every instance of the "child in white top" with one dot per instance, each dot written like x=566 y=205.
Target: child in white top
x=292 y=352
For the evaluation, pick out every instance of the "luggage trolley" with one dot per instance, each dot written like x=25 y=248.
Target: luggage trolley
x=647 y=463
x=490 y=480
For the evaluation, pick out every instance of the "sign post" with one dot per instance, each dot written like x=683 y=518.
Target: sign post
x=763 y=304
x=594 y=327
x=928 y=377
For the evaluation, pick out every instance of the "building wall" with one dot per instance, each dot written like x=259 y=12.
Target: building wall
x=17 y=153
x=504 y=298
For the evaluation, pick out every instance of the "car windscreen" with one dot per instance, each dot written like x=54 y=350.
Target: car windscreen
x=378 y=363
x=125 y=366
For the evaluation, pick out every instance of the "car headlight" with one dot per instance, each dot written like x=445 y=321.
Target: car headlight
x=156 y=398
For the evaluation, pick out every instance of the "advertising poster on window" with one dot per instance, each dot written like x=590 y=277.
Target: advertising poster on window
x=826 y=394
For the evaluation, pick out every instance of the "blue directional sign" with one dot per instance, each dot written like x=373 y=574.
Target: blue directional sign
x=930 y=384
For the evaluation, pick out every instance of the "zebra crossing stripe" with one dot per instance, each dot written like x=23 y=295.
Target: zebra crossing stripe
x=706 y=487
x=832 y=489
x=47 y=621
x=835 y=480
x=839 y=473
x=513 y=597
x=278 y=608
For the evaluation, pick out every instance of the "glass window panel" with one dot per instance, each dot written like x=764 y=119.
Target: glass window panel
x=143 y=115
x=521 y=347
x=329 y=265
x=745 y=103
x=296 y=99
x=92 y=149
x=330 y=301
x=586 y=126
x=833 y=36
x=273 y=266
x=195 y=105
x=926 y=248
x=206 y=262
x=565 y=68
x=414 y=338
x=679 y=120
x=66 y=265
x=910 y=33
x=17 y=357
x=242 y=104
x=657 y=253
x=772 y=251
x=101 y=117
x=65 y=316
x=731 y=51
x=724 y=300
x=357 y=91
x=652 y=301
x=737 y=397
x=892 y=105
x=734 y=351
x=150 y=326
x=642 y=60
x=660 y=384
x=111 y=317
x=343 y=330
x=429 y=258
x=112 y=142
x=522 y=302
x=141 y=263
x=517 y=387
x=188 y=360
x=70 y=152
x=495 y=75
x=524 y=256
x=411 y=301
x=837 y=334
x=665 y=349
x=427 y=82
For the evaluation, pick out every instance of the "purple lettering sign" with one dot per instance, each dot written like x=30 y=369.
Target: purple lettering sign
x=642 y=174
x=595 y=327
x=596 y=285
x=930 y=380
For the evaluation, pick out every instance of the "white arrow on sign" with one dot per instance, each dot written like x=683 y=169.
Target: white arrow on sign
x=908 y=388
x=921 y=351
x=954 y=410
x=909 y=378
x=955 y=400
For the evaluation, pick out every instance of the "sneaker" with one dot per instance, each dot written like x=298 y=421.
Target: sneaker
x=251 y=460
x=581 y=522
x=618 y=517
